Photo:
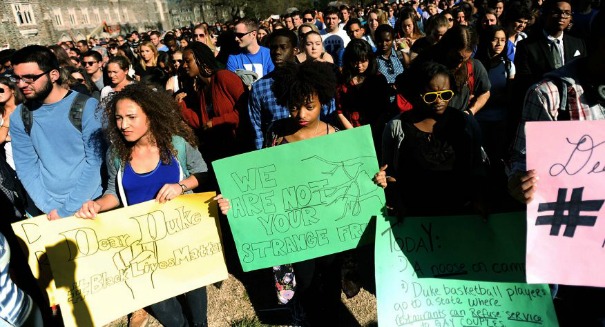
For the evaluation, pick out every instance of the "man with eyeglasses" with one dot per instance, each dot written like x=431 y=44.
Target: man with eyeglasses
x=543 y=52
x=309 y=17
x=252 y=56
x=92 y=61
x=58 y=163
x=574 y=92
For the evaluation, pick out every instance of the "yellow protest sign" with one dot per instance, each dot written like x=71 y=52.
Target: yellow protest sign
x=31 y=234
x=129 y=258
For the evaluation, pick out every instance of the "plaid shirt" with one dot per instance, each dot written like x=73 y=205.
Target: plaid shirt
x=264 y=110
x=391 y=67
x=542 y=103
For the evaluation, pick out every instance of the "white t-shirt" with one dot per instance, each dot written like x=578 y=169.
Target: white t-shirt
x=8 y=149
x=333 y=42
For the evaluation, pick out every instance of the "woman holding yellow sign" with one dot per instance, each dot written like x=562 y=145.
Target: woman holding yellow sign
x=152 y=156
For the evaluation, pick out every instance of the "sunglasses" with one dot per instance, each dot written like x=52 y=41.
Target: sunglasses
x=200 y=35
x=81 y=80
x=307 y=20
x=89 y=63
x=1 y=90
x=450 y=19
x=30 y=79
x=180 y=61
x=241 y=35
x=431 y=97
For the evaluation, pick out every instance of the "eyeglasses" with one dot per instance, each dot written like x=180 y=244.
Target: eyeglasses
x=431 y=97
x=1 y=90
x=241 y=35
x=200 y=35
x=307 y=20
x=450 y=19
x=81 y=80
x=30 y=79
x=562 y=13
x=89 y=63
x=180 y=61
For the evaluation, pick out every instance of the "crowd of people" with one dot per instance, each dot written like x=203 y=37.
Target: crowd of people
x=445 y=86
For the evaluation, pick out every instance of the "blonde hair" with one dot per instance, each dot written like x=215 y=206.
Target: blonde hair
x=154 y=60
x=208 y=37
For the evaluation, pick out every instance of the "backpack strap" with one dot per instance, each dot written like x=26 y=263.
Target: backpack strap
x=26 y=117
x=75 y=113
x=471 y=75
x=76 y=110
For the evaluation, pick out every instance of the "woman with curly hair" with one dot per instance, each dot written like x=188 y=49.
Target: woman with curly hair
x=152 y=156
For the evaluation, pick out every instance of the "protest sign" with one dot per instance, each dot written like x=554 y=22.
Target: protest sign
x=421 y=263
x=301 y=200
x=129 y=258
x=31 y=234
x=566 y=218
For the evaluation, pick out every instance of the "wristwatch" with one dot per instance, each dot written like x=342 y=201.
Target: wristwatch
x=183 y=187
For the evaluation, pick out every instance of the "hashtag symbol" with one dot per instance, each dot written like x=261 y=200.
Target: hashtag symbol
x=573 y=208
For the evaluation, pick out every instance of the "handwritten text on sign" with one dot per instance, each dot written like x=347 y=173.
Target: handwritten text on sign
x=138 y=255
x=301 y=200
x=406 y=298
x=567 y=216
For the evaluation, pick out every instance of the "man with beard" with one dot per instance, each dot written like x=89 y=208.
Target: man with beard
x=57 y=150
x=262 y=104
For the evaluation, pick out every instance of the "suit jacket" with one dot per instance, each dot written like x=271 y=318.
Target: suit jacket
x=533 y=58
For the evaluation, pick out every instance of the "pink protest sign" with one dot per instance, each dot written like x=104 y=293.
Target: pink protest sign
x=566 y=219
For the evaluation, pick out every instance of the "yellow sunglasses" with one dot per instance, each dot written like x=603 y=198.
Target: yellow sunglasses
x=430 y=97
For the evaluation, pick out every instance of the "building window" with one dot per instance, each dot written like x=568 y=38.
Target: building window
x=107 y=15
x=24 y=14
x=58 y=18
x=85 y=19
x=72 y=16
x=95 y=14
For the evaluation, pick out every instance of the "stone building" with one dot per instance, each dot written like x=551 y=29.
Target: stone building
x=26 y=22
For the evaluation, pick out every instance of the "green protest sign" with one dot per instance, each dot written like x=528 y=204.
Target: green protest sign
x=457 y=271
x=301 y=200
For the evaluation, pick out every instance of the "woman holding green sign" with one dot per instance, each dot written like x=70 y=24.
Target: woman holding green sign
x=152 y=156
x=311 y=288
x=433 y=151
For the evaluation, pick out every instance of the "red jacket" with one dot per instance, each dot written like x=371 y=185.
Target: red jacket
x=226 y=91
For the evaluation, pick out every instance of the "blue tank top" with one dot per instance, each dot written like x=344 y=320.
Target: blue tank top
x=144 y=187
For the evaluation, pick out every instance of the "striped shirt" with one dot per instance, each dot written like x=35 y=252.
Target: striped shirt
x=15 y=305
